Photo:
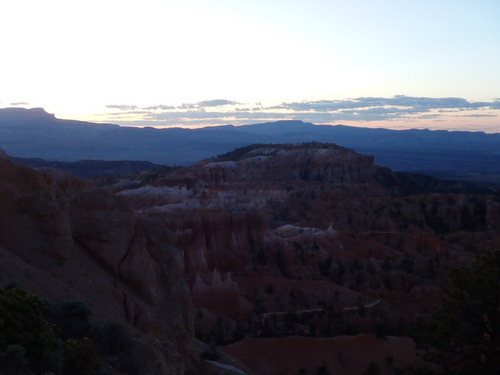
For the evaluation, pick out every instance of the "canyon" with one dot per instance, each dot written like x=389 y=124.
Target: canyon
x=269 y=259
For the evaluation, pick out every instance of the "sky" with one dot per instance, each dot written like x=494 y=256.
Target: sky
x=386 y=63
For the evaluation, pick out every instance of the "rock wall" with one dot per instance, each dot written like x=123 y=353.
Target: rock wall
x=65 y=241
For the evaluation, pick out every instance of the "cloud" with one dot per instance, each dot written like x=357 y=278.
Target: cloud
x=187 y=106
x=161 y=107
x=320 y=105
x=414 y=104
x=122 y=107
x=200 y=106
x=15 y=104
x=381 y=109
x=478 y=115
x=130 y=107
x=495 y=104
x=216 y=103
x=362 y=109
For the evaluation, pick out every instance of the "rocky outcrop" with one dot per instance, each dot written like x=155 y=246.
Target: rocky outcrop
x=20 y=115
x=65 y=241
x=218 y=295
x=277 y=223
x=227 y=240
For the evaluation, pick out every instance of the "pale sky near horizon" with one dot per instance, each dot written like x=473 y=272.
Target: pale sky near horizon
x=387 y=63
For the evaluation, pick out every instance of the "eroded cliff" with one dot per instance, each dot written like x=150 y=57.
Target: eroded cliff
x=312 y=239
x=65 y=240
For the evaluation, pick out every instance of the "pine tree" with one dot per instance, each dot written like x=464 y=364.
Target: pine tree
x=464 y=334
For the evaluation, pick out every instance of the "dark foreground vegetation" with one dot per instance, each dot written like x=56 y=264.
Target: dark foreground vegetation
x=39 y=337
x=463 y=336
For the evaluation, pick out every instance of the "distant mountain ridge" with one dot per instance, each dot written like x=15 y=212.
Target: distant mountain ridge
x=90 y=168
x=33 y=133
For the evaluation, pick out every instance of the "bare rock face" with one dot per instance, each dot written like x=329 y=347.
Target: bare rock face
x=106 y=237
x=228 y=240
x=217 y=295
x=66 y=241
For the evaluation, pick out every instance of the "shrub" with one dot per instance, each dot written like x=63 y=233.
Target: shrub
x=72 y=318
x=29 y=344
x=463 y=336
x=22 y=326
x=80 y=357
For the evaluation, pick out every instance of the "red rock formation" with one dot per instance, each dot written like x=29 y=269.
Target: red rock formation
x=308 y=233
x=313 y=212
x=219 y=296
x=64 y=241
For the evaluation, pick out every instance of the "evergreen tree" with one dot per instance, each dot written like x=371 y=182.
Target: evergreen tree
x=30 y=344
x=23 y=328
x=464 y=334
x=372 y=369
